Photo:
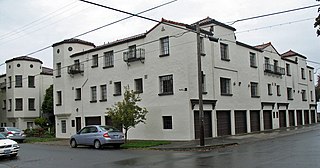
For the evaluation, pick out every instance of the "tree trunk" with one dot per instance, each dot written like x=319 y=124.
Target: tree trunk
x=125 y=135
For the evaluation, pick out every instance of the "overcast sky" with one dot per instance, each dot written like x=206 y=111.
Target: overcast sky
x=29 y=25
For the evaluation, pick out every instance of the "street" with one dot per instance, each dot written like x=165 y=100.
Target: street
x=298 y=150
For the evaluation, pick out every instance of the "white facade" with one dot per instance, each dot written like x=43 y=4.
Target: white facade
x=22 y=91
x=236 y=98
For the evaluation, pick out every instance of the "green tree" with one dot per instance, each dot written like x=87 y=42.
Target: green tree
x=318 y=89
x=47 y=105
x=127 y=113
x=317 y=22
x=41 y=122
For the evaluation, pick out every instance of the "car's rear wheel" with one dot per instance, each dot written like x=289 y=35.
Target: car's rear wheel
x=97 y=144
x=73 y=143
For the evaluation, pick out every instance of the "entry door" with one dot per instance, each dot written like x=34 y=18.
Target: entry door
x=282 y=118
x=78 y=123
x=207 y=124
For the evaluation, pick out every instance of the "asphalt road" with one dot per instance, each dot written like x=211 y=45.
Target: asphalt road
x=295 y=151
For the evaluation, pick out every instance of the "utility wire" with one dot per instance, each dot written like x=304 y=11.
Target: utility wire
x=271 y=14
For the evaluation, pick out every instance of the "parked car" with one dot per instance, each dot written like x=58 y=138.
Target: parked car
x=97 y=136
x=8 y=147
x=13 y=133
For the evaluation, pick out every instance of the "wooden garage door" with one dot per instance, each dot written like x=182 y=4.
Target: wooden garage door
x=93 y=120
x=299 y=117
x=291 y=118
x=313 y=116
x=306 y=117
x=223 y=123
x=282 y=118
x=267 y=119
x=255 y=121
x=241 y=122
x=207 y=124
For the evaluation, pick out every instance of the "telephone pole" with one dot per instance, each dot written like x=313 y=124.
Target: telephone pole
x=201 y=115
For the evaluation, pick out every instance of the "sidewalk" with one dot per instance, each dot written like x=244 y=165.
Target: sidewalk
x=212 y=143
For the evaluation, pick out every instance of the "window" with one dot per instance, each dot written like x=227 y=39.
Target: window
x=108 y=59
x=224 y=52
x=269 y=89
x=103 y=89
x=164 y=46
x=288 y=69
x=78 y=94
x=18 y=81
x=254 y=89
x=94 y=61
x=303 y=75
x=59 y=98
x=10 y=82
x=253 y=60
x=166 y=85
x=63 y=126
x=310 y=75
x=4 y=104
x=31 y=82
x=203 y=83
x=93 y=94
x=58 y=69
x=167 y=122
x=132 y=52
x=19 y=104
x=289 y=94
x=138 y=85
x=304 y=95
x=311 y=96
x=202 y=51
x=117 y=89
x=73 y=123
x=278 y=90
x=77 y=65
x=31 y=104
x=10 y=105
x=225 y=86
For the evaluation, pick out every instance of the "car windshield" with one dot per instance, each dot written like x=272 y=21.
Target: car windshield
x=2 y=136
x=109 y=129
x=13 y=129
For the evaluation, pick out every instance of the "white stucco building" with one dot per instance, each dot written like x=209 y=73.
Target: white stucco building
x=22 y=91
x=246 y=88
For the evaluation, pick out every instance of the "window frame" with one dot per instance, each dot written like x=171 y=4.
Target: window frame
x=59 y=98
x=270 y=89
x=78 y=94
x=303 y=75
x=164 y=46
x=58 y=69
x=225 y=86
x=289 y=93
x=63 y=126
x=95 y=61
x=278 y=90
x=117 y=89
x=288 y=69
x=166 y=85
x=224 y=52
x=108 y=59
x=103 y=93
x=138 y=85
x=18 y=104
x=304 y=95
x=93 y=94
x=31 y=82
x=31 y=105
x=167 y=123
x=253 y=59
x=18 y=82
x=254 y=89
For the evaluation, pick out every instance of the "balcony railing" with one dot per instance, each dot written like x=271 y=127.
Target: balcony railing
x=75 y=69
x=274 y=69
x=134 y=55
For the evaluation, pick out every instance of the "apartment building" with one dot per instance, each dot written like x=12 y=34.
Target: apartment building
x=22 y=90
x=245 y=88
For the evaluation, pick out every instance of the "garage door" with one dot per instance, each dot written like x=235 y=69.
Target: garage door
x=282 y=118
x=313 y=116
x=291 y=118
x=241 y=122
x=306 y=117
x=93 y=120
x=299 y=117
x=267 y=119
x=207 y=124
x=223 y=123
x=255 y=121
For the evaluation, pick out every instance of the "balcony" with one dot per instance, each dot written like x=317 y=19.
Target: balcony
x=269 y=68
x=134 y=55
x=75 y=69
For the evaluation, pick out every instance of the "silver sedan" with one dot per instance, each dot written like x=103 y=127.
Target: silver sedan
x=97 y=136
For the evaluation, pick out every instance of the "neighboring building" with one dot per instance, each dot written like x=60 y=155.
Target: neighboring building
x=22 y=91
x=246 y=88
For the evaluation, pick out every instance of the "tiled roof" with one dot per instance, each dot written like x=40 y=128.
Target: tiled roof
x=291 y=53
x=263 y=46
x=24 y=58
x=209 y=20
x=74 y=40
x=47 y=71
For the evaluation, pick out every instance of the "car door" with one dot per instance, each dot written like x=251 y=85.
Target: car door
x=81 y=136
x=91 y=135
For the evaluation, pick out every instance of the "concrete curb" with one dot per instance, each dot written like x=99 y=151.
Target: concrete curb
x=194 y=148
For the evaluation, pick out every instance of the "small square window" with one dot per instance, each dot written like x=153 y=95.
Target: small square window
x=31 y=104
x=167 y=122
x=166 y=85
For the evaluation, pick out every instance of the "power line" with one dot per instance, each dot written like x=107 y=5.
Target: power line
x=271 y=14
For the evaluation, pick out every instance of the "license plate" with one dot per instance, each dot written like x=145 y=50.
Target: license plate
x=7 y=151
